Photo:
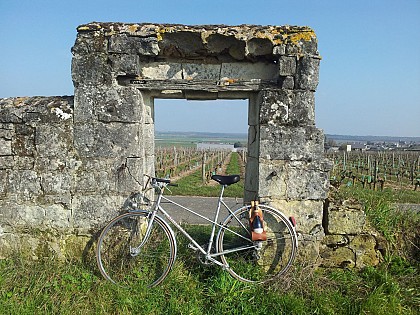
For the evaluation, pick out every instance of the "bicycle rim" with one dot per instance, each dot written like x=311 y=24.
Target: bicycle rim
x=154 y=259
x=257 y=265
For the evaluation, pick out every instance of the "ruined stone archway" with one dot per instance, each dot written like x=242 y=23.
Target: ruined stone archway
x=68 y=164
x=118 y=69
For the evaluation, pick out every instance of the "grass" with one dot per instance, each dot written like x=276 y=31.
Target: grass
x=400 y=228
x=192 y=185
x=47 y=287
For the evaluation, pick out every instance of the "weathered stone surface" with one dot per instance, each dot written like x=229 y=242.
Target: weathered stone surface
x=220 y=44
x=345 y=219
x=161 y=70
x=343 y=257
x=308 y=215
x=294 y=108
x=121 y=43
x=107 y=140
x=91 y=212
x=191 y=71
x=248 y=71
x=287 y=65
x=307 y=76
x=291 y=143
x=125 y=64
x=5 y=147
x=364 y=246
x=259 y=47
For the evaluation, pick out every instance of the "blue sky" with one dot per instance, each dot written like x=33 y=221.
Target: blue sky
x=369 y=74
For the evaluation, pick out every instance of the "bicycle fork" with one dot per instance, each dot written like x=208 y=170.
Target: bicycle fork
x=134 y=251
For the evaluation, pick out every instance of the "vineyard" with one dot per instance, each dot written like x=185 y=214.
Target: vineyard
x=376 y=170
x=178 y=162
x=371 y=170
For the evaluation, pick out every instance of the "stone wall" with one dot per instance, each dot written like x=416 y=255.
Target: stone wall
x=68 y=164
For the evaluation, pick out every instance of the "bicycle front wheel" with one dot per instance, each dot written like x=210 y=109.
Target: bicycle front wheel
x=128 y=257
x=257 y=261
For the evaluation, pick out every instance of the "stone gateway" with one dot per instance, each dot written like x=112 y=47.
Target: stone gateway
x=67 y=164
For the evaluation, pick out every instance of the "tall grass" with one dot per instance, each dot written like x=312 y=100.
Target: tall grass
x=75 y=288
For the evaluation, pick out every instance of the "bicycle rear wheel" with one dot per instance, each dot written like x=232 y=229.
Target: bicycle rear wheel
x=260 y=261
x=123 y=261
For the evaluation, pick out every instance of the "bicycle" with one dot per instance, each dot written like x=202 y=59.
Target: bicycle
x=140 y=246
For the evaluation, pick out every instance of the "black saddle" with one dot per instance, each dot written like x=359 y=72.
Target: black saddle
x=226 y=179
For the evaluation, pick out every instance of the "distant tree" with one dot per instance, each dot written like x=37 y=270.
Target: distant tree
x=238 y=145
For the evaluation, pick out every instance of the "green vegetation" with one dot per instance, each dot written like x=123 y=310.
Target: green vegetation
x=399 y=227
x=193 y=185
x=47 y=287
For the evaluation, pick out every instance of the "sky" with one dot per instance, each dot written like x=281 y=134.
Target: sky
x=369 y=72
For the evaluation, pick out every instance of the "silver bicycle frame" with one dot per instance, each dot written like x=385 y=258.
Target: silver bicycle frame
x=207 y=252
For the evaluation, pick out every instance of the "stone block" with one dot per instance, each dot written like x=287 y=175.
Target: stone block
x=125 y=64
x=92 y=212
x=251 y=179
x=302 y=110
x=5 y=147
x=279 y=142
x=220 y=44
x=24 y=162
x=6 y=162
x=161 y=71
x=57 y=183
x=98 y=175
x=24 y=145
x=54 y=140
x=364 y=246
x=119 y=105
x=287 y=65
x=25 y=184
x=248 y=71
x=123 y=44
x=22 y=216
x=107 y=140
x=279 y=50
x=307 y=76
x=92 y=69
x=192 y=71
x=287 y=82
x=308 y=215
x=272 y=183
x=342 y=257
x=58 y=217
x=308 y=253
x=307 y=180
x=3 y=180
x=181 y=44
x=274 y=107
x=345 y=221
x=259 y=47
x=86 y=44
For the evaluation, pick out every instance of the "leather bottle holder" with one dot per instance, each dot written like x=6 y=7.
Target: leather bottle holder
x=256 y=223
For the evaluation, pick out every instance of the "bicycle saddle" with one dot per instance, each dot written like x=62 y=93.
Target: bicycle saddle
x=226 y=179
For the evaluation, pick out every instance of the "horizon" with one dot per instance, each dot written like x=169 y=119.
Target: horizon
x=245 y=134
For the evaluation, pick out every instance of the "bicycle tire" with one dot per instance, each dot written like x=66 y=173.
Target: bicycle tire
x=253 y=265
x=154 y=260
